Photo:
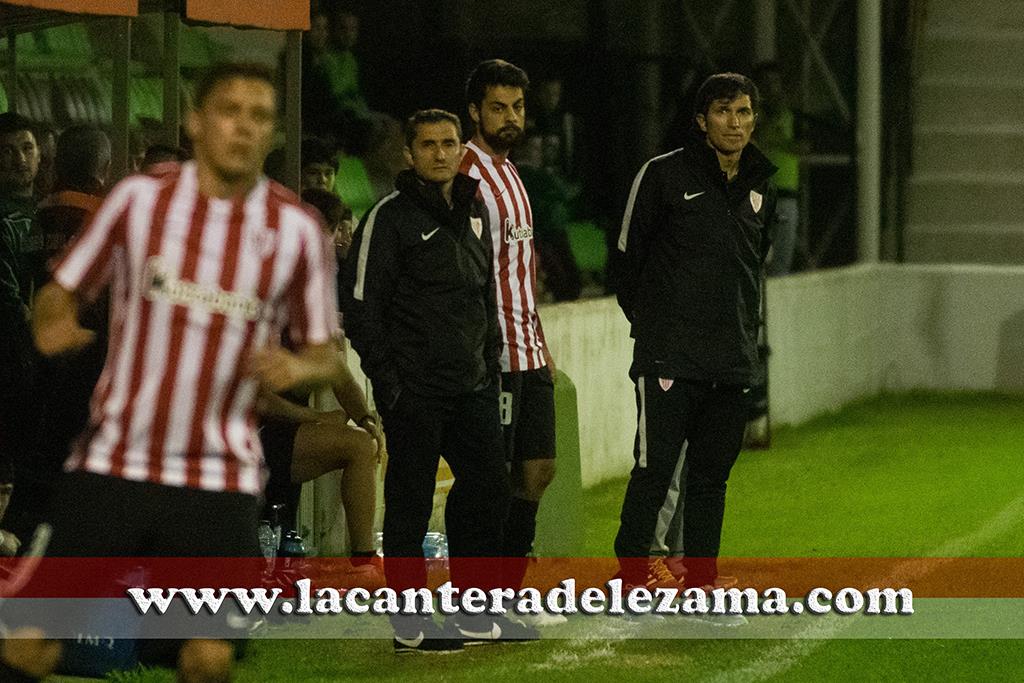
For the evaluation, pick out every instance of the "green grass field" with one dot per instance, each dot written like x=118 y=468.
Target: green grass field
x=917 y=475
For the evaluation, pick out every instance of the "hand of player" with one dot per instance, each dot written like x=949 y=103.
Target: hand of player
x=60 y=338
x=550 y=363
x=9 y=544
x=377 y=432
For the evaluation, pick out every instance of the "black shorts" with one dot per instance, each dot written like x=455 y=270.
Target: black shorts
x=96 y=516
x=278 y=440
x=100 y=516
x=528 y=415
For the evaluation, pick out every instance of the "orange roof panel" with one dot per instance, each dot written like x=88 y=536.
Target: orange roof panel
x=123 y=8
x=280 y=15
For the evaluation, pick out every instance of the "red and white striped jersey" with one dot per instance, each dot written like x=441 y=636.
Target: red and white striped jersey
x=196 y=284
x=515 y=268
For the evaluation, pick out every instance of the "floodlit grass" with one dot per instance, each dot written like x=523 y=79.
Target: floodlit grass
x=907 y=475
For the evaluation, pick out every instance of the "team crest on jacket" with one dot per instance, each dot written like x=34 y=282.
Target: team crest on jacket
x=478 y=226
x=756 y=199
x=665 y=384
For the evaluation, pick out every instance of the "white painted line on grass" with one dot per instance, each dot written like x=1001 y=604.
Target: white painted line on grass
x=787 y=655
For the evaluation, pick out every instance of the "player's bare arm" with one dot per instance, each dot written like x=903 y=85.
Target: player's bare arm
x=55 y=325
x=280 y=370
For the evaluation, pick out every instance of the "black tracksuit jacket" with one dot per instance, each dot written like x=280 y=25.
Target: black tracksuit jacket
x=693 y=248
x=419 y=299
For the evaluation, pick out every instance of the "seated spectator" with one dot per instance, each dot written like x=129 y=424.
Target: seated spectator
x=552 y=120
x=20 y=250
x=162 y=159
x=63 y=384
x=331 y=97
x=301 y=444
x=337 y=218
x=273 y=166
x=319 y=165
x=82 y=168
x=46 y=136
x=550 y=198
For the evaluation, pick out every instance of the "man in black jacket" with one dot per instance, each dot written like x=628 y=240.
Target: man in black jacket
x=421 y=313
x=693 y=242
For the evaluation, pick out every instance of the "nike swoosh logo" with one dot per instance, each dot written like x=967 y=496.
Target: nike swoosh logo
x=415 y=642
x=687 y=196
x=746 y=390
x=493 y=634
x=237 y=622
x=427 y=235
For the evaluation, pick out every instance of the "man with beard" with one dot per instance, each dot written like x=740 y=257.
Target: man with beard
x=496 y=95
x=20 y=260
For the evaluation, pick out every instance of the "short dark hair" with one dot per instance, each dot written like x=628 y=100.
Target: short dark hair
x=82 y=152
x=430 y=116
x=12 y=122
x=725 y=86
x=494 y=72
x=317 y=151
x=226 y=71
x=330 y=206
x=159 y=153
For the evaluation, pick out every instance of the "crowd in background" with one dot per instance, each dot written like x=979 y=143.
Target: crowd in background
x=350 y=157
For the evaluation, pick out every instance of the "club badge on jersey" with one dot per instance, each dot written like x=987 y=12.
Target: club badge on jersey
x=756 y=200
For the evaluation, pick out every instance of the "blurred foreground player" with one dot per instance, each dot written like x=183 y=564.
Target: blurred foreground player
x=694 y=239
x=205 y=266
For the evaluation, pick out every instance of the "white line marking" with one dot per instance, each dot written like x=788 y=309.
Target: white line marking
x=784 y=657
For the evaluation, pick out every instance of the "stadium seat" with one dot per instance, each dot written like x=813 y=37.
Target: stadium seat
x=588 y=247
x=66 y=40
x=354 y=187
x=146 y=97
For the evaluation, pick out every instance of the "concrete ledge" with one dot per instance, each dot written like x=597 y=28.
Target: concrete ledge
x=836 y=336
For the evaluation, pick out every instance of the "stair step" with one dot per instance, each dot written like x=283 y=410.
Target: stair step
x=1000 y=245
x=975 y=104
x=979 y=153
x=987 y=56
x=964 y=200
x=977 y=14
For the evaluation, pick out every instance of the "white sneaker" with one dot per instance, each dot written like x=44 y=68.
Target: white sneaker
x=542 y=620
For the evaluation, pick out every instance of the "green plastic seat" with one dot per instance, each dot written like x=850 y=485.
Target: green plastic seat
x=67 y=40
x=588 y=246
x=354 y=187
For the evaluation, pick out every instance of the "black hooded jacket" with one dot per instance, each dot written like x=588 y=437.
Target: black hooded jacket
x=419 y=299
x=693 y=247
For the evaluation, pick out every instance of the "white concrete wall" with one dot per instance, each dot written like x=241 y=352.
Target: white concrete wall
x=958 y=327
x=836 y=336
x=590 y=342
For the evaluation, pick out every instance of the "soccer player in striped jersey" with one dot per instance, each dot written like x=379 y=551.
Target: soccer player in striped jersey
x=206 y=267
x=495 y=93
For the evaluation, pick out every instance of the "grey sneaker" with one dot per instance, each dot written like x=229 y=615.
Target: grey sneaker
x=428 y=639
x=486 y=629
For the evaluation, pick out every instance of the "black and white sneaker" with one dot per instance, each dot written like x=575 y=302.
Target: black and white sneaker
x=485 y=629
x=428 y=639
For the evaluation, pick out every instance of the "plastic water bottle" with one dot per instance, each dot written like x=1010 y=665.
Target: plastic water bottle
x=292 y=548
x=268 y=540
x=435 y=550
